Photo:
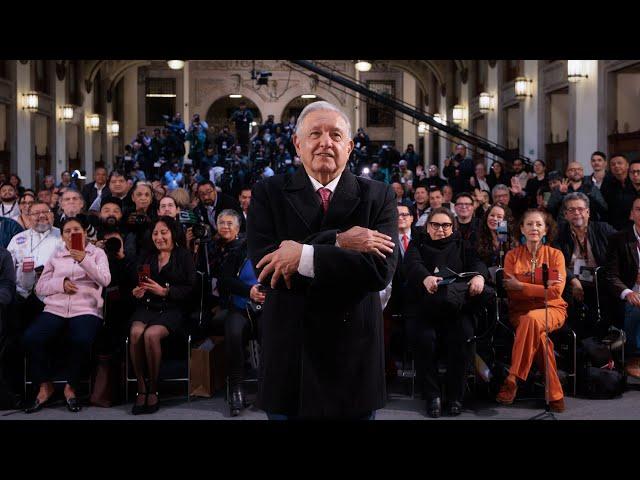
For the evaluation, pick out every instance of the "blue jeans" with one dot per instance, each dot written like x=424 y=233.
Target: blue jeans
x=632 y=328
x=280 y=417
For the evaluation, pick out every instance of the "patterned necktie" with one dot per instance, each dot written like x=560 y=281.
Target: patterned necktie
x=324 y=193
x=405 y=242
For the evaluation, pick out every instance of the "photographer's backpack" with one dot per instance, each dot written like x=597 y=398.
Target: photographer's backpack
x=601 y=373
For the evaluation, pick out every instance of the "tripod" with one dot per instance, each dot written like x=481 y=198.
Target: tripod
x=547 y=410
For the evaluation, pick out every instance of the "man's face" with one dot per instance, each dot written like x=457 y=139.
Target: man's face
x=575 y=172
x=71 y=203
x=577 y=213
x=619 y=166
x=397 y=187
x=374 y=168
x=323 y=144
x=517 y=166
x=168 y=207
x=41 y=217
x=501 y=197
x=7 y=193
x=435 y=199
x=100 y=176
x=461 y=150
x=110 y=210
x=433 y=171
x=405 y=219
x=448 y=193
x=421 y=196
x=44 y=196
x=118 y=185
x=598 y=163
x=464 y=208
x=66 y=178
x=207 y=194
x=634 y=173
x=245 y=199
x=480 y=170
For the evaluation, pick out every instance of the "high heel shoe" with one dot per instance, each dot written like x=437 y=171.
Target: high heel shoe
x=155 y=407
x=507 y=393
x=37 y=405
x=73 y=405
x=140 y=409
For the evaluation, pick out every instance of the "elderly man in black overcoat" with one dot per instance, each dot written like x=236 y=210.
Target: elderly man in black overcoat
x=321 y=240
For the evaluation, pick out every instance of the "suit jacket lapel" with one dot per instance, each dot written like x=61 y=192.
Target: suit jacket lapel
x=302 y=198
x=344 y=201
x=632 y=249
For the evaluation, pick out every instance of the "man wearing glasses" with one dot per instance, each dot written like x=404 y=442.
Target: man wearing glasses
x=577 y=182
x=467 y=224
x=583 y=243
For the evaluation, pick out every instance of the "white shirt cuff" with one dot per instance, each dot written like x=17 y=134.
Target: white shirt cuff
x=624 y=293
x=305 y=267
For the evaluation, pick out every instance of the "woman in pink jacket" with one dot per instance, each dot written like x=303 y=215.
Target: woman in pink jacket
x=72 y=283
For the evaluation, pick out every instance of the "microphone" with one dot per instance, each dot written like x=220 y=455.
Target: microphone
x=545 y=274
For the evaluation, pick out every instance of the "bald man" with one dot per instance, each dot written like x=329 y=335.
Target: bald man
x=575 y=181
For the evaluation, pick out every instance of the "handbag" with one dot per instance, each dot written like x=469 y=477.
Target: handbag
x=102 y=393
x=246 y=275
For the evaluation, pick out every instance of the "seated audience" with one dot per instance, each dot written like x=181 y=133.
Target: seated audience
x=599 y=168
x=26 y=200
x=71 y=284
x=497 y=175
x=538 y=180
x=492 y=246
x=9 y=198
x=467 y=224
x=577 y=182
x=527 y=310
x=619 y=190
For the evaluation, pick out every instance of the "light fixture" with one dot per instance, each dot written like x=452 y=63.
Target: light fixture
x=458 y=114
x=522 y=85
x=485 y=102
x=363 y=66
x=175 y=64
x=114 y=128
x=422 y=128
x=160 y=95
x=576 y=70
x=66 y=113
x=30 y=101
x=254 y=124
x=308 y=95
x=93 y=121
x=235 y=95
x=438 y=118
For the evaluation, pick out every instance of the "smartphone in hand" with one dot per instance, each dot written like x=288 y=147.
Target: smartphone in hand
x=144 y=272
x=76 y=242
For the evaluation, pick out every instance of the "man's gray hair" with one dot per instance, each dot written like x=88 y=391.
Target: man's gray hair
x=322 y=105
x=575 y=196
x=231 y=213
x=499 y=187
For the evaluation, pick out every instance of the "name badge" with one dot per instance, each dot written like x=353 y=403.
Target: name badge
x=28 y=264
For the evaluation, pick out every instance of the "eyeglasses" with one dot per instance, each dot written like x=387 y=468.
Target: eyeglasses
x=634 y=172
x=206 y=192
x=464 y=204
x=226 y=224
x=576 y=210
x=575 y=169
x=37 y=214
x=404 y=214
x=438 y=226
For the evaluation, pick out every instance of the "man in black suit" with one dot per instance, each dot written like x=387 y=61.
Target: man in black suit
x=321 y=239
x=623 y=279
x=98 y=187
x=213 y=202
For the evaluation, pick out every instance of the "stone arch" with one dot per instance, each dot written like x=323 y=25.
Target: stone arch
x=297 y=103
x=321 y=92
x=224 y=101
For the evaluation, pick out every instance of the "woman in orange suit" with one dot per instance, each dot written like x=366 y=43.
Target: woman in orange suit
x=526 y=306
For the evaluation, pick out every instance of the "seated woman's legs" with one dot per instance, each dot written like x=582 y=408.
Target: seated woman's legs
x=422 y=341
x=235 y=330
x=138 y=359
x=36 y=340
x=82 y=332
x=152 y=338
x=459 y=330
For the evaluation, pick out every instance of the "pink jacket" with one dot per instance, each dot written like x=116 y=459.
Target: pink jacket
x=90 y=276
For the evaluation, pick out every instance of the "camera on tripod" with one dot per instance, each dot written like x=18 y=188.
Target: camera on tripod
x=201 y=231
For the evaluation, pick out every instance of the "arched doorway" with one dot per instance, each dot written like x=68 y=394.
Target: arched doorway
x=295 y=107
x=221 y=110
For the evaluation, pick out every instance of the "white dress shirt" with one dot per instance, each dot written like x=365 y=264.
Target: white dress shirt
x=305 y=268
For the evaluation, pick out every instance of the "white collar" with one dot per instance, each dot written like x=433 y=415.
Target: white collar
x=331 y=185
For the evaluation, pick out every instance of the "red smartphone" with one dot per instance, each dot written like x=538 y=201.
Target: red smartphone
x=554 y=274
x=76 y=242
x=144 y=272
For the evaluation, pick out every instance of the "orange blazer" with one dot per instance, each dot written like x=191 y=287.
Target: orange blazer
x=518 y=264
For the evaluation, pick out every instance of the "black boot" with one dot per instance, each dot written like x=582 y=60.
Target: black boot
x=237 y=400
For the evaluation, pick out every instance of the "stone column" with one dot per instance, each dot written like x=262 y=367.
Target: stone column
x=492 y=115
x=88 y=154
x=130 y=118
x=444 y=143
x=409 y=97
x=583 y=131
x=61 y=153
x=24 y=132
x=530 y=112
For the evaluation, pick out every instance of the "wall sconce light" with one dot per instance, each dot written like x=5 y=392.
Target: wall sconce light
x=422 y=129
x=93 y=122
x=485 y=102
x=235 y=95
x=66 y=113
x=114 y=128
x=175 y=64
x=458 y=114
x=308 y=95
x=438 y=118
x=522 y=87
x=576 y=70
x=363 y=65
x=30 y=101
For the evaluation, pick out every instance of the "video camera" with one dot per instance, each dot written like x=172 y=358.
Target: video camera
x=201 y=231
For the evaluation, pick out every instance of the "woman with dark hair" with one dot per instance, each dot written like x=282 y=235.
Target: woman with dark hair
x=165 y=279
x=539 y=180
x=497 y=175
x=433 y=255
x=17 y=184
x=71 y=284
x=27 y=199
x=138 y=222
x=526 y=305
x=492 y=244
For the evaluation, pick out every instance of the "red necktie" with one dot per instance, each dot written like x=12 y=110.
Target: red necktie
x=324 y=193
x=405 y=242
